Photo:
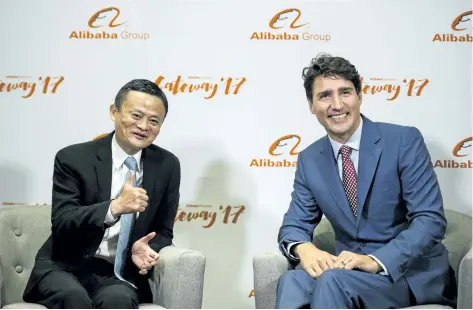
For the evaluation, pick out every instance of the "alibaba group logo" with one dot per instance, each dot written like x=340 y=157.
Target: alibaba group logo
x=462 y=21
x=463 y=148
x=105 y=17
x=284 y=145
x=288 y=17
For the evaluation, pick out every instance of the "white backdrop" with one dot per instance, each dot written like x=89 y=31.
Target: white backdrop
x=250 y=95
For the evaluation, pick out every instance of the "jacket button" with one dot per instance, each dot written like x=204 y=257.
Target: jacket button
x=17 y=232
x=19 y=269
x=362 y=244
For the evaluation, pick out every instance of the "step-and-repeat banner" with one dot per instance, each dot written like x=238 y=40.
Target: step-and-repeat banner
x=238 y=115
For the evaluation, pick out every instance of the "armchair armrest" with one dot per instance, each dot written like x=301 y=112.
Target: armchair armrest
x=178 y=278
x=1 y=284
x=464 y=282
x=267 y=269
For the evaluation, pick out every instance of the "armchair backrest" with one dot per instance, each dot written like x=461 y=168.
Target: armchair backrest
x=23 y=230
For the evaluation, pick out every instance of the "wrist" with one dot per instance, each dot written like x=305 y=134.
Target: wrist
x=376 y=266
x=300 y=248
x=115 y=208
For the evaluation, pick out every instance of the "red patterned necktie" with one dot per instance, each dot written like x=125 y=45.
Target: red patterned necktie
x=349 y=177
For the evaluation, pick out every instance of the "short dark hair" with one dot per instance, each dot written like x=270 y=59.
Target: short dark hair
x=327 y=65
x=144 y=86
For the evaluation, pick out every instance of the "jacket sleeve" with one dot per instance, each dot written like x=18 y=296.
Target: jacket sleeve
x=163 y=222
x=424 y=203
x=302 y=216
x=71 y=219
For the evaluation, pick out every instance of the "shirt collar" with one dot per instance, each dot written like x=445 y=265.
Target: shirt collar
x=353 y=142
x=119 y=155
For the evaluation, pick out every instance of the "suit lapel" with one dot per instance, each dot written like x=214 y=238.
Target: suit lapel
x=329 y=172
x=151 y=165
x=370 y=152
x=103 y=168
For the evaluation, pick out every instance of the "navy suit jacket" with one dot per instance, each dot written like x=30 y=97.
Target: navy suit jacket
x=400 y=219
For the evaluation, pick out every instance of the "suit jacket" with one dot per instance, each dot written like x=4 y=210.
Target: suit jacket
x=80 y=201
x=400 y=219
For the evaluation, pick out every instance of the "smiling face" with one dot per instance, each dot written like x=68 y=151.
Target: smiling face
x=336 y=105
x=138 y=122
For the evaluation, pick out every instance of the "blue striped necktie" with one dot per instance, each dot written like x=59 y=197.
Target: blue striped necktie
x=126 y=225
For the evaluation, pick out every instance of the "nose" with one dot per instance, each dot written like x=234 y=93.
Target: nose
x=337 y=103
x=142 y=124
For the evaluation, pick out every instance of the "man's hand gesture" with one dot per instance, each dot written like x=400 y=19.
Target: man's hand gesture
x=143 y=255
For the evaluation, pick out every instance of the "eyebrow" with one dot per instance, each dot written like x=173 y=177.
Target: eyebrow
x=141 y=112
x=329 y=91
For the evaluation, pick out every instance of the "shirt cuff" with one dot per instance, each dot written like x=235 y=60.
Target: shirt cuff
x=385 y=271
x=289 y=246
x=109 y=219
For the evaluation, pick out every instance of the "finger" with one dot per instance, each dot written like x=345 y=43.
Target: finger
x=330 y=262
x=142 y=203
x=311 y=272
x=131 y=178
x=317 y=269
x=323 y=265
x=143 y=197
x=148 y=237
x=339 y=260
x=351 y=265
x=341 y=264
x=154 y=255
x=141 y=190
x=143 y=271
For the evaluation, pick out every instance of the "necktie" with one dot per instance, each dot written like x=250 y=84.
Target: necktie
x=126 y=225
x=349 y=177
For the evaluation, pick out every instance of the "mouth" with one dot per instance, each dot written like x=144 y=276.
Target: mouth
x=139 y=136
x=338 y=117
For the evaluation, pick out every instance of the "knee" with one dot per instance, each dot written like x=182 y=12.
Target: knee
x=287 y=278
x=75 y=298
x=330 y=278
x=116 y=299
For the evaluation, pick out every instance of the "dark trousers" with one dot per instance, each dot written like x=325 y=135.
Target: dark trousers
x=93 y=285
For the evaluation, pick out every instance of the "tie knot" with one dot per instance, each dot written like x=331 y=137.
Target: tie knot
x=130 y=162
x=345 y=151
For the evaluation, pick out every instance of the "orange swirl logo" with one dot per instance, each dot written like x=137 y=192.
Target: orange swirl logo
x=284 y=16
x=286 y=145
x=461 y=21
x=100 y=18
x=283 y=143
x=463 y=148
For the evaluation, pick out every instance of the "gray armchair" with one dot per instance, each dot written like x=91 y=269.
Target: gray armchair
x=177 y=282
x=268 y=267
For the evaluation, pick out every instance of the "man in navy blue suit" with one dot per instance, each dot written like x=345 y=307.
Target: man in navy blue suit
x=376 y=185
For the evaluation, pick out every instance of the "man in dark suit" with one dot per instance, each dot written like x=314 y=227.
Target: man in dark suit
x=114 y=201
x=376 y=185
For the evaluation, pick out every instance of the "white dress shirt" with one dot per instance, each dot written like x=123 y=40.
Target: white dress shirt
x=354 y=144
x=108 y=246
